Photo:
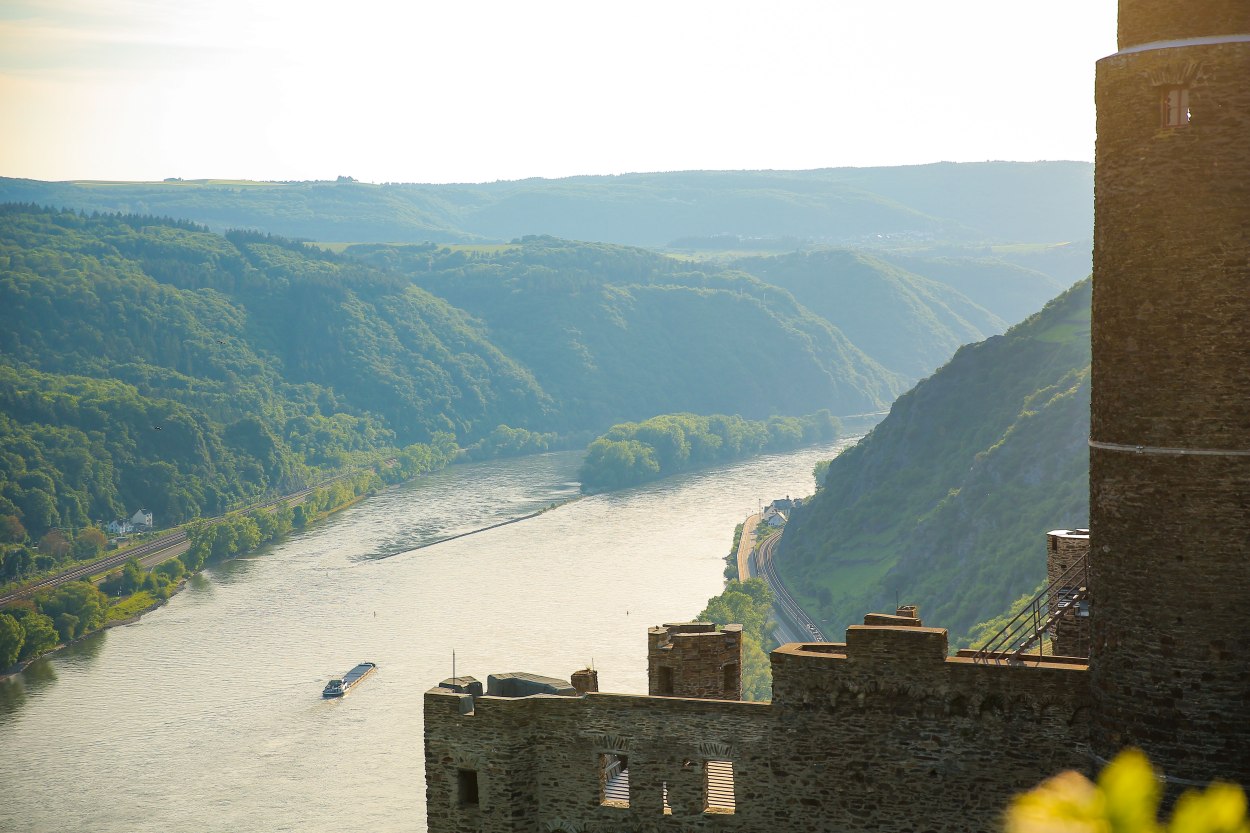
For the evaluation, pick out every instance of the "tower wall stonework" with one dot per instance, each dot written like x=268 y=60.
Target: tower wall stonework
x=1065 y=549
x=695 y=659
x=852 y=728
x=1170 y=412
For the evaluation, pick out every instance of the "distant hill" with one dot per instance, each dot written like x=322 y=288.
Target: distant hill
x=906 y=322
x=946 y=503
x=154 y=362
x=616 y=333
x=1009 y=202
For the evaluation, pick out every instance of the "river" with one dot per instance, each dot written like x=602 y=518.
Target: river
x=207 y=714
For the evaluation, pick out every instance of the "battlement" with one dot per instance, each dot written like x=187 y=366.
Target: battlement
x=695 y=659
x=851 y=725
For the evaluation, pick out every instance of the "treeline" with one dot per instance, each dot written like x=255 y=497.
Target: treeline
x=32 y=627
x=635 y=452
x=747 y=603
x=511 y=442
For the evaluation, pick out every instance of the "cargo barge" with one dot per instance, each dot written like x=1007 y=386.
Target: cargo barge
x=338 y=688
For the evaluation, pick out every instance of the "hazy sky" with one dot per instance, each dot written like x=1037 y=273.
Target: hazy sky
x=479 y=90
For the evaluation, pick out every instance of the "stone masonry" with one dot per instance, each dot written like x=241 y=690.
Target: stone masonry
x=883 y=732
x=695 y=659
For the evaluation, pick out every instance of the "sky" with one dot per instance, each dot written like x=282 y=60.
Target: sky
x=485 y=90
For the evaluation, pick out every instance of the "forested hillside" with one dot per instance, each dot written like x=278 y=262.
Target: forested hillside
x=947 y=502
x=150 y=363
x=153 y=363
x=978 y=202
x=908 y=323
x=615 y=333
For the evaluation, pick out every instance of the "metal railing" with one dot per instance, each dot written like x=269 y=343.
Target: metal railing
x=1063 y=596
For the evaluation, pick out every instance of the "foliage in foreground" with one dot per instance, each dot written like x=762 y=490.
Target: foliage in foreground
x=1125 y=800
x=747 y=603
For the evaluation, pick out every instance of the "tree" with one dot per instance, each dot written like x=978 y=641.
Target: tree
x=16 y=562
x=54 y=543
x=80 y=601
x=66 y=625
x=11 y=530
x=41 y=636
x=12 y=636
x=89 y=543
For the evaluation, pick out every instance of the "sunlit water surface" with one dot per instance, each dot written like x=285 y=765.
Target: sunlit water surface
x=207 y=715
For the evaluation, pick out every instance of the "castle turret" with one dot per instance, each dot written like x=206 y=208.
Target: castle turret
x=695 y=659
x=1170 y=417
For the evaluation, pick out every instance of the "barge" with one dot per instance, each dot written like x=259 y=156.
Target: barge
x=338 y=688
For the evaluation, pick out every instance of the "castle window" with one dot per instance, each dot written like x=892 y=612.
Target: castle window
x=1175 y=106
x=666 y=680
x=731 y=677
x=613 y=780
x=466 y=787
x=718 y=787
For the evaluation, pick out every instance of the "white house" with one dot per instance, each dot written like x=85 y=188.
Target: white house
x=120 y=527
x=141 y=520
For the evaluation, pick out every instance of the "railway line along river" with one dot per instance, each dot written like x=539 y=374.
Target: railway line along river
x=208 y=715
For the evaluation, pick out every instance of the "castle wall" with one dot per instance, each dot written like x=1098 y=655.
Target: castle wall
x=695 y=659
x=883 y=733
x=1065 y=549
x=1170 y=427
x=1148 y=21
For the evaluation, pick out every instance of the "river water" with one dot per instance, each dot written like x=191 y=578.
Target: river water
x=207 y=714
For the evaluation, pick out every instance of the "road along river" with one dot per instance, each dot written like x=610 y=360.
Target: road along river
x=207 y=714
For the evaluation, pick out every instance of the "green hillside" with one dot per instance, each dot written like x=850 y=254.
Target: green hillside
x=615 y=333
x=946 y=503
x=906 y=322
x=149 y=362
x=152 y=363
x=980 y=202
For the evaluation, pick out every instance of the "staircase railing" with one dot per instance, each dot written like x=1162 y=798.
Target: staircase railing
x=1060 y=598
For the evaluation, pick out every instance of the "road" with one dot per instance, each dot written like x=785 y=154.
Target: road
x=155 y=549
x=746 y=546
x=793 y=622
x=151 y=552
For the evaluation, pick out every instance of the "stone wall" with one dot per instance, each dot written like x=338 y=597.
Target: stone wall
x=1065 y=549
x=695 y=659
x=1148 y=21
x=1170 y=426
x=884 y=732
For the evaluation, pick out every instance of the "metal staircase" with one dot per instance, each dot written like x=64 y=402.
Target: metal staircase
x=1064 y=596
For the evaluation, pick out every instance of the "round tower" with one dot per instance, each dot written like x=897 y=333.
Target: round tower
x=1170 y=417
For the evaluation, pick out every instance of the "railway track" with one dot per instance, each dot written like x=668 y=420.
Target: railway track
x=783 y=602
x=149 y=548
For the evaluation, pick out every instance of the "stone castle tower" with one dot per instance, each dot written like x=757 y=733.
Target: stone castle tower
x=1170 y=427
x=695 y=659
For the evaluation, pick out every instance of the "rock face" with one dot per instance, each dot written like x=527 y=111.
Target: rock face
x=1170 y=430
x=882 y=732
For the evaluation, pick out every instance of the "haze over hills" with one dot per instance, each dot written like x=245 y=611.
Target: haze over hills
x=946 y=503
x=1005 y=202
x=153 y=357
